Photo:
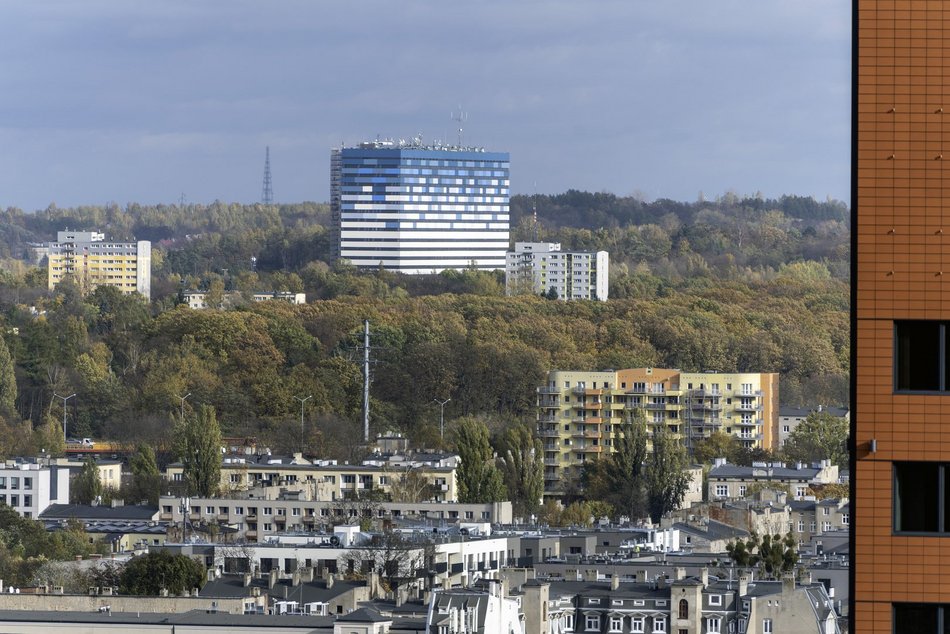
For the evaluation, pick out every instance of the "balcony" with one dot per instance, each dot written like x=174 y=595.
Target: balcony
x=750 y=422
x=706 y=406
x=749 y=407
x=590 y=420
x=590 y=449
x=585 y=434
x=165 y=517
x=223 y=517
x=251 y=517
x=552 y=462
x=549 y=390
x=547 y=418
x=749 y=393
x=309 y=519
x=549 y=433
x=704 y=393
x=655 y=406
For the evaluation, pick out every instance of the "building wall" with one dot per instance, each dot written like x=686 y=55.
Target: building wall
x=29 y=489
x=414 y=209
x=538 y=267
x=900 y=235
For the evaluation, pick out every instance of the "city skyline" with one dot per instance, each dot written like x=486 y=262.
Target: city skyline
x=108 y=102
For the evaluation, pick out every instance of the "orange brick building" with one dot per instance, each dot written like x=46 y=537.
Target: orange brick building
x=901 y=317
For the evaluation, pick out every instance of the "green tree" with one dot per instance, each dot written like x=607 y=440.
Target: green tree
x=523 y=466
x=625 y=466
x=198 y=446
x=8 y=391
x=719 y=444
x=87 y=486
x=667 y=479
x=156 y=571
x=479 y=480
x=820 y=436
x=146 y=478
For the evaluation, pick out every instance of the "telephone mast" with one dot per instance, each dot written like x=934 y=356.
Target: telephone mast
x=267 y=192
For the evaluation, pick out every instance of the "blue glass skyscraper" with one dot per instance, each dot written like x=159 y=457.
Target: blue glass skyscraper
x=420 y=209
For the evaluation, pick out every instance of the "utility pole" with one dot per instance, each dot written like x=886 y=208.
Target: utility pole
x=366 y=381
x=65 y=398
x=441 y=416
x=302 y=401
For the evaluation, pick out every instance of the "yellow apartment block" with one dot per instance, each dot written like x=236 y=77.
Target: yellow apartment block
x=577 y=411
x=92 y=262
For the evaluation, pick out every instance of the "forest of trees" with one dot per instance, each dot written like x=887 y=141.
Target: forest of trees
x=732 y=284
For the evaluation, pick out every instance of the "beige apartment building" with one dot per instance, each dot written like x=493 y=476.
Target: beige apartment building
x=577 y=411
x=93 y=261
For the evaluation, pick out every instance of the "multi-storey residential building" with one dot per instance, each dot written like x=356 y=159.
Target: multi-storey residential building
x=578 y=411
x=326 y=480
x=29 y=487
x=541 y=267
x=900 y=380
x=415 y=208
x=92 y=261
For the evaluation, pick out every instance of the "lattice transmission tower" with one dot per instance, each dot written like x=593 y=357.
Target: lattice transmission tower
x=267 y=191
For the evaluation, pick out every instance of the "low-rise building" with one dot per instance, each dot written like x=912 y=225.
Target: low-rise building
x=733 y=481
x=790 y=418
x=198 y=300
x=434 y=478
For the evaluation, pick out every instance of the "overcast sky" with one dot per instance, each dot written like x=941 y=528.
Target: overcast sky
x=145 y=100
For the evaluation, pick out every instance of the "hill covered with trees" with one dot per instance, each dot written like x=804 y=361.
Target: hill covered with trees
x=731 y=284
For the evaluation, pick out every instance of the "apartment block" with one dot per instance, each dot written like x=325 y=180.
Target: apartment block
x=198 y=300
x=578 y=411
x=541 y=268
x=93 y=261
x=326 y=480
x=29 y=487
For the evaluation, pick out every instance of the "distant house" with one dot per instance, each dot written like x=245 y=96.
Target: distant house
x=197 y=300
x=791 y=417
x=732 y=481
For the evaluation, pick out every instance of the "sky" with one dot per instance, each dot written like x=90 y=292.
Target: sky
x=151 y=101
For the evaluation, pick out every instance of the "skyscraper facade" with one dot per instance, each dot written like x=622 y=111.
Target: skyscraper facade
x=900 y=440
x=420 y=209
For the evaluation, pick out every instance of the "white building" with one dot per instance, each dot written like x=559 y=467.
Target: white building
x=198 y=300
x=539 y=267
x=417 y=208
x=30 y=487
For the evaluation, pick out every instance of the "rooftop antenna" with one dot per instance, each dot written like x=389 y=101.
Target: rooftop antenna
x=534 y=213
x=460 y=117
x=267 y=192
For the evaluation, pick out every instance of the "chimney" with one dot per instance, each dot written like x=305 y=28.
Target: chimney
x=247 y=579
x=615 y=581
x=679 y=573
x=704 y=576
x=743 y=585
x=211 y=575
x=272 y=579
x=788 y=582
x=308 y=574
x=330 y=581
x=295 y=579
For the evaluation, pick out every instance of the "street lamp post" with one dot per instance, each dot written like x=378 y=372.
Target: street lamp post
x=181 y=415
x=302 y=401
x=65 y=398
x=441 y=416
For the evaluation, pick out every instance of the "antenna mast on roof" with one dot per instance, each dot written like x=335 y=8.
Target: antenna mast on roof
x=460 y=117
x=267 y=192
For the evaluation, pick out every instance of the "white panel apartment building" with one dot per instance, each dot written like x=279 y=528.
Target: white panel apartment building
x=538 y=267
x=29 y=488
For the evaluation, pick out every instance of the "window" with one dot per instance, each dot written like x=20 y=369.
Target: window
x=239 y=510
x=714 y=625
x=268 y=527
x=295 y=512
x=920 y=497
x=590 y=601
x=28 y=483
x=3 y=483
x=569 y=622
x=636 y=624
x=268 y=510
x=684 y=609
x=920 y=356
x=349 y=479
x=715 y=599
x=742 y=490
x=659 y=625
x=766 y=626
x=27 y=500
x=592 y=622
x=14 y=483
x=919 y=618
x=845 y=519
x=616 y=624
x=209 y=510
x=722 y=490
